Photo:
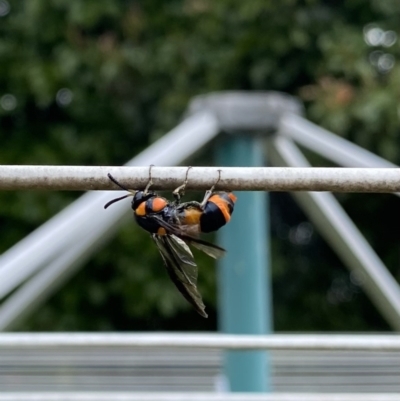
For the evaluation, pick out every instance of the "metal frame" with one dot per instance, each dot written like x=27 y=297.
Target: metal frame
x=344 y=237
x=244 y=274
x=53 y=251
x=122 y=396
x=298 y=342
x=328 y=145
x=85 y=178
x=53 y=247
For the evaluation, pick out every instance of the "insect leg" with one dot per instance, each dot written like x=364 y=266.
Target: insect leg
x=150 y=182
x=210 y=191
x=180 y=191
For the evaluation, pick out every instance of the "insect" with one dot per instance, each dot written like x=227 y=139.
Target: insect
x=174 y=226
x=211 y=214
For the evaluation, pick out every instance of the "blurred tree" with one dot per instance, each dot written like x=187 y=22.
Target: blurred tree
x=94 y=82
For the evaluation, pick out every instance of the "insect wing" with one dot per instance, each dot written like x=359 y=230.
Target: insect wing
x=209 y=249
x=183 y=255
x=170 y=228
x=176 y=232
x=183 y=275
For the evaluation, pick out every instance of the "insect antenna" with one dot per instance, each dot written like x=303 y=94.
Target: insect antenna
x=131 y=192
x=116 y=200
x=117 y=183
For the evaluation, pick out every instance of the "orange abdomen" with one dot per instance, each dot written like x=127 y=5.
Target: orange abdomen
x=191 y=216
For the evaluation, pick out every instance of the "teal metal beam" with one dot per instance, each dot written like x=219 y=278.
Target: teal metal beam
x=244 y=279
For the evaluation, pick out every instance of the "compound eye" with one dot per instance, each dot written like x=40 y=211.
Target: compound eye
x=137 y=199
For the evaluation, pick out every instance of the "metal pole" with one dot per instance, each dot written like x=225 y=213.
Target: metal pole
x=329 y=145
x=244 y=288
x=200 y=178
x=289 y=342
x=156 y=396
x=344 y=237
x=25 y=299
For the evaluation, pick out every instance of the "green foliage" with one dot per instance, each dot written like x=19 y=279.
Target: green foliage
x=93 y=82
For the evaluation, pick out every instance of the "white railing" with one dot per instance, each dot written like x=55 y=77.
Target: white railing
x=321 y=342
x=115 y=396
x=85 y=178
x=36 y=347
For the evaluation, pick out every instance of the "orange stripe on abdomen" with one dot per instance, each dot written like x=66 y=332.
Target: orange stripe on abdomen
x=232 y=197
x=222 y=205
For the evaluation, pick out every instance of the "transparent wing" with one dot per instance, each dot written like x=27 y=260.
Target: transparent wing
x=169 y=256
x=209 y=249
x=181 y=268
x=184 y=257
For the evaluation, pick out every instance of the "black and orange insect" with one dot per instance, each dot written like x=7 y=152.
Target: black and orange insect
x=207 y=216
x=174 y=226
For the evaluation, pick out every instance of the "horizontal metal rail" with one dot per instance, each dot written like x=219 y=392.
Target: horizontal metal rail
x=84 y=178
x=326 y=342
x=144 y=396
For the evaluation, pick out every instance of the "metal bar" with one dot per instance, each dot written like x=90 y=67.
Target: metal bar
x=65 y=229
x=329 y=145
x=244 y=279
x=42 y=285
x=344 y=237
x=299 y=342
x=124 y=396
x=83 y=178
